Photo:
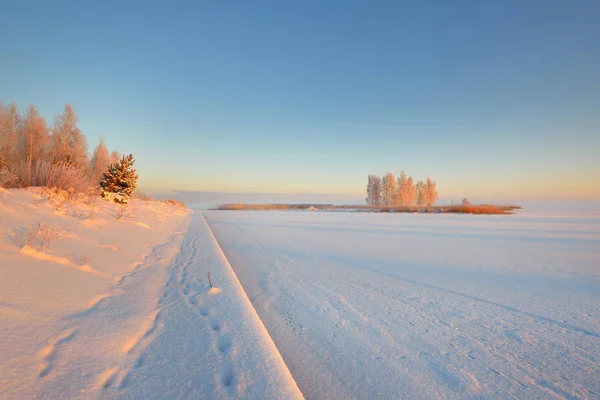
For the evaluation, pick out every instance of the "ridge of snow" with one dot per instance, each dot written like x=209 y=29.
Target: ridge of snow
x=208 y=341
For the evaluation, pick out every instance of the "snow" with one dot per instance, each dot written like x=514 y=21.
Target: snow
x=100 y=300
x=118 y=306
x=425 y=305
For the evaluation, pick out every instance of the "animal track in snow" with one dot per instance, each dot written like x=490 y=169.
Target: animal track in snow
x=147 y=330
x=107 y=378
x=215 y=324
x=203 y=311
x=224 y=343
x=50 y=352
x=227 y=375
x=140 y=361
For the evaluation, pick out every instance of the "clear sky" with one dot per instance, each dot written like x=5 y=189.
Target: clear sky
x=492 y=99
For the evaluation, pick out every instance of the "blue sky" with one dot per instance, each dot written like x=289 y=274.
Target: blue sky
x=492 y=99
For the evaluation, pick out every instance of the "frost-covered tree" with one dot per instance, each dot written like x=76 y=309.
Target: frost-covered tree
x=100 y=161
x=421 y=193
x=411 y=192
x=377 y=190
x=402 y=189
x=115 y=156
x=369 y=198
x=69 y=144
x=388 y=188
x=120 y=180
x=431 y=193
x=396 y=198
x=465 y=202
x=406 y=190
x=374 y=190
x=33 y=140
x=9 y=132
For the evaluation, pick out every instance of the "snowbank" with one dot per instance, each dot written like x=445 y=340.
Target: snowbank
x=98 y=300
x=61 y=259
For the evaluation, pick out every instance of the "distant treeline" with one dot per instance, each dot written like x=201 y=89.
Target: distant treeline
x=388 y=191
x=459 y=209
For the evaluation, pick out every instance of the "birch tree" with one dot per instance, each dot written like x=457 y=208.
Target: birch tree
x=9 y=132
x=411 y=192
x=374 y=190
x=406 y=190
x=33 y=140
x=99 y=162
x=69 y=145
x=388 y=188
x=421 y=193
x=403 y=189
x=431 y=193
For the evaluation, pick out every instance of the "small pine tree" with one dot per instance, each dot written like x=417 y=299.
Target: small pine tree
x=119 y=181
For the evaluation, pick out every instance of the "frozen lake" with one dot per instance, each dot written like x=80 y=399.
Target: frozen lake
x=425 y=306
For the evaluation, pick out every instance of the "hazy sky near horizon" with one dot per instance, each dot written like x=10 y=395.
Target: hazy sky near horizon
x=492 y=99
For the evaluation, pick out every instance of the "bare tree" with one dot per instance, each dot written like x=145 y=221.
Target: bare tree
x=388 y=188
x=398 y=192
x=404 y=187
x=369 y=198
x=115 y=156
x=411 y=193
x=465 y=202
x=431 y=193
x=374 y=190
x=33 y=139
x=100 y=161
x=69 y=144
x=421 y=193
x=9 y=132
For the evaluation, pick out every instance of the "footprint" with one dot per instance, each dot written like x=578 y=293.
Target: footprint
x=124 y=382
x=139 y=362
x=45 y=371
x=215 y=324
x=107 y=378
x=203 y=310
x=154 y=325
x=224 y=344
x=227 y=375
x=49 y=353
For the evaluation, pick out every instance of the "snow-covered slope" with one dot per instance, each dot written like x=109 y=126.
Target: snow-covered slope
x=212 y=344
x=118 y=306
x=46 y=289
x=425 y=306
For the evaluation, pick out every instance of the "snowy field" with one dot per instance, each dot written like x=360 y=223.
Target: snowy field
x=425 y=306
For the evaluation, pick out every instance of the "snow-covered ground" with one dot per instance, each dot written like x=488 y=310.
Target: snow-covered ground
x=425 y=306
x=103 y=301
x=118 y=305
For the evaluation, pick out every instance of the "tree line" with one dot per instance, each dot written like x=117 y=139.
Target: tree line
x=28 y=144
x=389 y=191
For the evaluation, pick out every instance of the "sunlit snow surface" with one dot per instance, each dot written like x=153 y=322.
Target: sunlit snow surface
x=425 y=306
x=120 y=307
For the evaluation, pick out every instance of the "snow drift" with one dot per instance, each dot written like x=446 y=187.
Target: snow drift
x=98 y=300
